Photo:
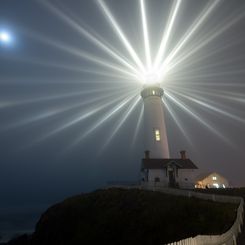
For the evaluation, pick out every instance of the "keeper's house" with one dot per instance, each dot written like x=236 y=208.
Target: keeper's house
x=166 y=172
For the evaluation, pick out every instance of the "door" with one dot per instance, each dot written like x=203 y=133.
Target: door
x=171 y=179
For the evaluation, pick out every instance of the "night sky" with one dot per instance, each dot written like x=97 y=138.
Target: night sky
x=65 y=126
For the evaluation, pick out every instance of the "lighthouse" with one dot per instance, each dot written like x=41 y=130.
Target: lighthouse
x=156 y=141
x=158 y=169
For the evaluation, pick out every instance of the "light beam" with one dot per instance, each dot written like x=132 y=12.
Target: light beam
x=102 y=120
x=197 y=24
x=139 y=123
x=121 y=35
x=198 y=118
x=166 y=34
x=146 y=36
x=88 y=35
x=122 y=120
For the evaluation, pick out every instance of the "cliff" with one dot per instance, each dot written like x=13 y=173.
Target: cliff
x=119 y=217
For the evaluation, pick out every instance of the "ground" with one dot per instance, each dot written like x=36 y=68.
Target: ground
x=119 y=216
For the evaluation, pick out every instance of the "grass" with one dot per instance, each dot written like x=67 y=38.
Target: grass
x=117 y=216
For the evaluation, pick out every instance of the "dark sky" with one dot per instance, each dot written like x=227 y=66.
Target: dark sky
x=45 y=85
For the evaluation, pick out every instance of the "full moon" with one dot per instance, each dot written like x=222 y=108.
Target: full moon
x=5 y=37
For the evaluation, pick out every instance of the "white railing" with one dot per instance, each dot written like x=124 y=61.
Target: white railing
x=227 y=238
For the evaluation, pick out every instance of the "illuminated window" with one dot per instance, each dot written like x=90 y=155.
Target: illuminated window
x=157 y=135
x=214 y=178
x=153 y=92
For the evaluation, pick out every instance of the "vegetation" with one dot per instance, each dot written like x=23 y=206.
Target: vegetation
x=118 y=216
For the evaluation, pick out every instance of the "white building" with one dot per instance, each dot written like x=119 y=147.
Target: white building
x=156 y=140
x=211 y=180
x=168 y=172
x=158 y=169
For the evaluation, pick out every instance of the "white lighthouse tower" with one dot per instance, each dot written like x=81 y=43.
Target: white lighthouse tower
x=156 y=141
x=158 y=169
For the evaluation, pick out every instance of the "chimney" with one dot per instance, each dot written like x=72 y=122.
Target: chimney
x=147 y=154
x=183 y=155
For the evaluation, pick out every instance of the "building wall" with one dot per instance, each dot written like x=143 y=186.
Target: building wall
x=154 y=120
x=157 y=173
x=185 y=178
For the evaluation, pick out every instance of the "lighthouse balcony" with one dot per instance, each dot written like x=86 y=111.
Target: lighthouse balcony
x=152 y=91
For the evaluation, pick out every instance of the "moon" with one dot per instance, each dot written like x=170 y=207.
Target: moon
x=5 y=37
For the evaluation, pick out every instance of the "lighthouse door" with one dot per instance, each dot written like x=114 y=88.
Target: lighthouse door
x=171 y=182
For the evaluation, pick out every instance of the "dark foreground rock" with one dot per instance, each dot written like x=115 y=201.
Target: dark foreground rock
x=21 y=240
x=119 y=217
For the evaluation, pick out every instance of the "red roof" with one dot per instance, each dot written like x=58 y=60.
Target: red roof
x=152 y=163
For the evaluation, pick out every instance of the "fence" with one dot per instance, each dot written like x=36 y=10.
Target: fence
x=227 y=238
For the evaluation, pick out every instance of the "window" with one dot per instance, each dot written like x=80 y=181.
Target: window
x=157 y=135
x=153 y=92
x=214 y=178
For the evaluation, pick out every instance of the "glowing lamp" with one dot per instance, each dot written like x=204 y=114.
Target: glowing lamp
x=151 y=78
